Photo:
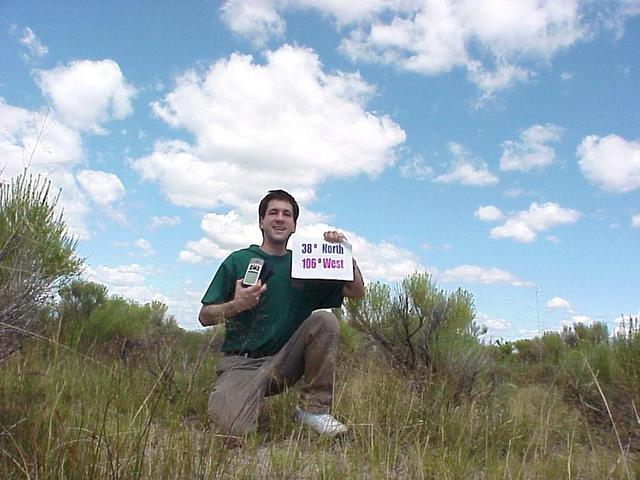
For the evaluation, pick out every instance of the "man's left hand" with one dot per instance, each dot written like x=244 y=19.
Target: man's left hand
x=334 y=236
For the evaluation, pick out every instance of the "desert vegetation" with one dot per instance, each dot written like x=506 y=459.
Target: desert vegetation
x=96 y=386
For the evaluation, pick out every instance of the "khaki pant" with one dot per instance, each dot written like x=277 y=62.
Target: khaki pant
x=242 y=383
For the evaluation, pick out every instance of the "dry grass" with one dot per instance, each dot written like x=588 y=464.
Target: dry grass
x=64 y=417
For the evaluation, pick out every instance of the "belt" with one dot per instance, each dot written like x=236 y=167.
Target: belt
x=245 y=354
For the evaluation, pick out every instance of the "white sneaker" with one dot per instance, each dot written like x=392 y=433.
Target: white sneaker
x=323 y=423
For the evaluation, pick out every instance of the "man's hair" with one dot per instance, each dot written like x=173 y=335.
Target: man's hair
x=279 y=195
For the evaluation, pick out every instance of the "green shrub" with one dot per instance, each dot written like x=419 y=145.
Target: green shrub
x=117 y=319
x=37 y=255
x=423 y=331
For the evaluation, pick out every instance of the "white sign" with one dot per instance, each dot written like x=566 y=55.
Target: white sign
x=317 y=259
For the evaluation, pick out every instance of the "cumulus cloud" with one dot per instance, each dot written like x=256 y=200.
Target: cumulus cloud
x=164 y=221
x=224 y=233
x=499 y=43
x=416 y=168
x=261 y=20
x=285 y=123
x=35 y=140
x=86 y=94
x=123 y=275
x=35 y=48
x=525 y=225
x=256 y=19
x=577 y=319
x=558 y=303
x=611 y=162
x=489 y=213
x=102 y=187
x=502 y=77
x=436 y=36
x=493 y=324
x=478 y=274
x=144 y=245
x=635 y=221
x=128 y=281
x=466 y=170
x=532 y=150
x=40 y=143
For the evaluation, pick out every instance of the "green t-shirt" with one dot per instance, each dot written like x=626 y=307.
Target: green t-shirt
x=286 y=303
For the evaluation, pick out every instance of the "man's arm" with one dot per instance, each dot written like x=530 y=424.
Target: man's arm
x=243 y=299
x=355 y=288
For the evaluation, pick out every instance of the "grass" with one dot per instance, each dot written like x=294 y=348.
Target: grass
x=64 y=416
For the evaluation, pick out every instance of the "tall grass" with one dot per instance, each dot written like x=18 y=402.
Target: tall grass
x=64 y=416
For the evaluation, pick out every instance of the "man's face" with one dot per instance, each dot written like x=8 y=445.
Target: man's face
x=278 y=224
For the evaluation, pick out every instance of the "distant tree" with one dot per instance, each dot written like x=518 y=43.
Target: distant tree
x=37 y=256
x=76 y=302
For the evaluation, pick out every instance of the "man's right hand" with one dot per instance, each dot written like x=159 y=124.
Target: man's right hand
x=245 y=298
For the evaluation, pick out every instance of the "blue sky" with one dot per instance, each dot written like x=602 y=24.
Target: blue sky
x=494 y=144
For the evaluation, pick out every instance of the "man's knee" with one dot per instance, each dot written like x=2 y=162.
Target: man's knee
x=326 y=321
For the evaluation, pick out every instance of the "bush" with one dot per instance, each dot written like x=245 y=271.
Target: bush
x=117 y=319
x=67 y=318
x=423 y=331
x=37 y=255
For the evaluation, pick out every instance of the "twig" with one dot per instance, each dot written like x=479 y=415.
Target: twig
x=41 y=337
x=615 y=429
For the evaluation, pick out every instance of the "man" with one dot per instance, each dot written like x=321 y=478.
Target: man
x=273 y=335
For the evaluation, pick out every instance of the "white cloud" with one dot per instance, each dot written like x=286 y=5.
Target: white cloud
x=205 y=249
x=35 y=48
x=224 y=233
x=466 y=170
x=256 y=19
x=141 y=294
x=635 y=221
x=529 y=333
x=532 y=151
x=164 y=221
x=489 y=213
x=127 y=281
x=575 y=319
x=284 y=123
x=36 y=140
x=416 y=168
x=40 y=143
x=515 y=229
x=439 y=35
x=104 y=188
x=477 y=274
x=498 y=42
x=504 y=76
x=261 y=20
x=558 y=303
x=229 y=231
x=144 y=245
x=610 y=162
x=493 y=324
x=123 y=275
x=86 y=94
x=524 y=226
